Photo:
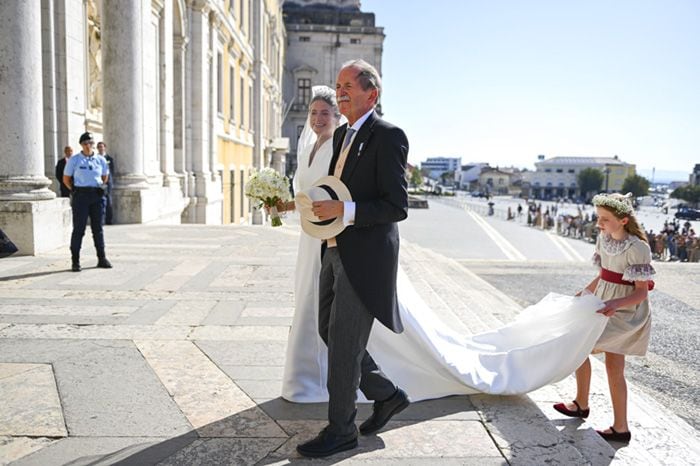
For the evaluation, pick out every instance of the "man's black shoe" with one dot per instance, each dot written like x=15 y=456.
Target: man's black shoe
x=103 y=263
x=383 y=411
x=326 y=444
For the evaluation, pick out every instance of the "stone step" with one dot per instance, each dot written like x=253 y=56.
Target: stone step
x=465 y=302
x=526 y=428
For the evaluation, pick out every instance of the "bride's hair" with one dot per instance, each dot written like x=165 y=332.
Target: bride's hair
x=327 y=95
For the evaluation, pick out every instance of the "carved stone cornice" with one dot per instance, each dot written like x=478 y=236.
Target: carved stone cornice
x=181 y=42
x=202 y=6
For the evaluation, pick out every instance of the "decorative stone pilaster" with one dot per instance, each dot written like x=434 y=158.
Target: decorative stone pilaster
x=180 y=116
x=30 y=214
x=167 y=162
x=205 y=197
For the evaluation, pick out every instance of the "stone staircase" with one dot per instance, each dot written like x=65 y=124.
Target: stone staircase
x=526 y=428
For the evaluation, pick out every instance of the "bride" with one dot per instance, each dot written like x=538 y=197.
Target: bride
x=306 y=363
x=428 y=360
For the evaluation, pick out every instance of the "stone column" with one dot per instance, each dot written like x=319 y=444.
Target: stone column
x=30 y=214
x=167 y=162
x=205 y=194
x=123 y=84
x=21 y=120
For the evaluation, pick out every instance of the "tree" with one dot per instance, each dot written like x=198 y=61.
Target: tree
x=689 y=193
x=448 y=178
x=589 y=180
x=416 y=178
x=637 y=185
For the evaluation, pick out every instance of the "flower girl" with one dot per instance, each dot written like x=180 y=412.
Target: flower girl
x=623 y=255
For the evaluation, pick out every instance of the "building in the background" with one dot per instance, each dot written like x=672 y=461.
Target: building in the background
x=247 y=63
x=436 y=167
x=187 y=95
x=695 y=176
x=494 y=181
x=557 y=177
x=467 y=177
x=321 y=36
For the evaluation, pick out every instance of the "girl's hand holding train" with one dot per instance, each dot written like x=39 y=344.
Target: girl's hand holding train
x=610 y=308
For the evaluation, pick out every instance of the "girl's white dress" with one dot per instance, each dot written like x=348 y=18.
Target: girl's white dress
x=547 y=341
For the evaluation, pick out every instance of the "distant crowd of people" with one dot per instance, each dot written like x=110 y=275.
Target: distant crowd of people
x=675 y=242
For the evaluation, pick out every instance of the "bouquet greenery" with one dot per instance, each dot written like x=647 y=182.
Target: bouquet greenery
x=269 y=187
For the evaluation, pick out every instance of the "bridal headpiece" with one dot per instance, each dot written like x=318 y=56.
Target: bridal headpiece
x=620 y=203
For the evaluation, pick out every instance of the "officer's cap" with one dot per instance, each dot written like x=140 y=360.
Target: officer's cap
x=87 y=136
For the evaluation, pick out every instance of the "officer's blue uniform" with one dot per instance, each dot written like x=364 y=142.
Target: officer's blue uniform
x=87 y=201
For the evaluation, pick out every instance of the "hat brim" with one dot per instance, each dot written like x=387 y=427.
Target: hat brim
x=326 y=188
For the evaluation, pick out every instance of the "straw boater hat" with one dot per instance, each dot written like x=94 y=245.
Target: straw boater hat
x=324 y=189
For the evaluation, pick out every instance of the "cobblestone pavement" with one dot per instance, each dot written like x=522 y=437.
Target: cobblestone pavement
x=175 y=357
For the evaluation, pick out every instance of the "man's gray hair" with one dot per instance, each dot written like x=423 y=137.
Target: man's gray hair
x=368 y=77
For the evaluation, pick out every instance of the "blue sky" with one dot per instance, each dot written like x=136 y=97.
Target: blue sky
x=504 y=81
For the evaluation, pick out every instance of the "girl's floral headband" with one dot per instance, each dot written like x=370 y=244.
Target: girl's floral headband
x=619 y=203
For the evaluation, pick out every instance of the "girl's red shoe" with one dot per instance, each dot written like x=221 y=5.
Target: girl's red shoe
x=615 y=436
x=582 y=413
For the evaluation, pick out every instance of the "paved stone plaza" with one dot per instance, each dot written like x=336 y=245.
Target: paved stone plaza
x=175 y=357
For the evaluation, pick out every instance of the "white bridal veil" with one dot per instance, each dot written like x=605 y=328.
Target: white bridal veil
x=307 y=138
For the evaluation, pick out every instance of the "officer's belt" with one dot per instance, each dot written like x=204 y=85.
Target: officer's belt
x=85 y=189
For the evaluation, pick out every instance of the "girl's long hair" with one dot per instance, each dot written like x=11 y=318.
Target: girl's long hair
x=632 y=226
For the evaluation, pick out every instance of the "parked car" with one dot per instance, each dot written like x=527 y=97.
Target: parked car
x=686 y=213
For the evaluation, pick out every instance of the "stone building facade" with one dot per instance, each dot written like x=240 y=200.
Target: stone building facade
x=186 y=93
x=494 y=181
x=557 y=177
x=321 y=36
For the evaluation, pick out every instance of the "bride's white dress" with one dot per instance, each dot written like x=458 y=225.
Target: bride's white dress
x=306 y=363
x=545 y=343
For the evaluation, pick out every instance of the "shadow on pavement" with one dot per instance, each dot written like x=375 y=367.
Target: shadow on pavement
x=299 y=422
x=37 y=274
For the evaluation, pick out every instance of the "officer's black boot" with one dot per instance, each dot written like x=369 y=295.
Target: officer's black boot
x=75 y=259
x=102 y=261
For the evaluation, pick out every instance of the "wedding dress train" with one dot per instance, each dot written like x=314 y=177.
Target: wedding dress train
x=546 y=342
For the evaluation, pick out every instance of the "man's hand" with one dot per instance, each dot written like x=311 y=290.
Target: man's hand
x=325 y=210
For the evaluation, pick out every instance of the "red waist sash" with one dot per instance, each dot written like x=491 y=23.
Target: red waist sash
x=614 y=277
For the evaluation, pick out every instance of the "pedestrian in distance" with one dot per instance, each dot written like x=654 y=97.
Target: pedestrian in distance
x=102 y=150
x=86 y=175
x=64 y=191
x=623 y=255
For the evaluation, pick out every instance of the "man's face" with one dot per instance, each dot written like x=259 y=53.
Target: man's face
x=68 y=151
x=101 y=148
x=353 y=101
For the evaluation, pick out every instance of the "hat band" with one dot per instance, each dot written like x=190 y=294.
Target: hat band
x=333 y=196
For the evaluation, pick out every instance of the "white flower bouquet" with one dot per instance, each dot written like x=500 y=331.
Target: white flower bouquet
x=269 y=187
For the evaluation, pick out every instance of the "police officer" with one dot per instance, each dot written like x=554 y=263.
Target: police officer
x=86 y=174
